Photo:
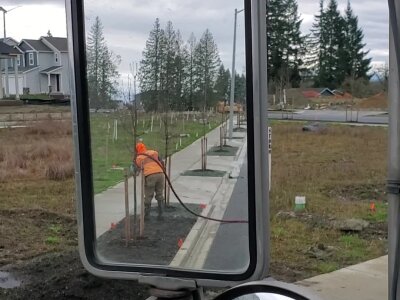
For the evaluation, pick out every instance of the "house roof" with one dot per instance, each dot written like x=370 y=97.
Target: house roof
x=7 y=50
x=9 y=41
x=60 y=43
x=51 y=69
x=37 y=45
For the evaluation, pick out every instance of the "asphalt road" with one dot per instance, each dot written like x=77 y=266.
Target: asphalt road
x=372 y=117
x=230 y=249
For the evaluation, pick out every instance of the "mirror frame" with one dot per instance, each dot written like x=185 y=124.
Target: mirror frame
x=255 y=41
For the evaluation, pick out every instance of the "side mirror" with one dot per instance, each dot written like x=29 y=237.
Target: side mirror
x=145 y=91
x=266 y=290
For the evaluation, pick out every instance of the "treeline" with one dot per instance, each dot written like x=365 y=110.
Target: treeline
x=331 y=55
x=178 y=75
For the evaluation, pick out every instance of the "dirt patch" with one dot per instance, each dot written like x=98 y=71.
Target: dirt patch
x=378 y=101
x=28 y=233
x=160 y=242
x=62 y=276
x=357 y=192
x=224 y=151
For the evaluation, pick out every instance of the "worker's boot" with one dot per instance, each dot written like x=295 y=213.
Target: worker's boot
x=147 y=211
x=160 y=210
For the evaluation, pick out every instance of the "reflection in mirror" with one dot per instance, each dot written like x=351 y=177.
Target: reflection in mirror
x=264 y=296
x=169 y=152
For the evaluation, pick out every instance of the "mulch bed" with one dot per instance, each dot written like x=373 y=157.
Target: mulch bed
x=159 y=244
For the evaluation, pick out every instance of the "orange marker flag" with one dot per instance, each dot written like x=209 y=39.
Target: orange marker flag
x=180 y=243
x=372 y=207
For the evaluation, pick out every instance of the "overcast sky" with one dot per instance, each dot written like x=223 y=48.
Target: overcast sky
x=127 y=23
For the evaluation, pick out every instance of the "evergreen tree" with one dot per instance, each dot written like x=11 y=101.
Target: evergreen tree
x=354 y=63
x=285 y=43
x=222 y=84
x=168 y=67
x=101 y=68
x=190 y=71
x=240 y=88
x=328 y=32
x=206 y=64
x=181 y=62
x=151 y=66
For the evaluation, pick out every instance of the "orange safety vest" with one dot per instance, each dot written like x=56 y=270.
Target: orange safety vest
x=149 y=165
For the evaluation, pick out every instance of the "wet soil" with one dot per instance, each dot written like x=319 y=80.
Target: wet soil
x=160 y=241
x=61 y=275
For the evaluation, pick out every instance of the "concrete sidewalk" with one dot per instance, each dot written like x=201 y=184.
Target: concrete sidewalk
x=366 y=281
x=110 y=205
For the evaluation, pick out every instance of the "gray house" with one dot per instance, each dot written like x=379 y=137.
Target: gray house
x=8 y=53
x=42 y=66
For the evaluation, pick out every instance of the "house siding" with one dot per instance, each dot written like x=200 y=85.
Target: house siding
x=32 y=82
x=46 y=60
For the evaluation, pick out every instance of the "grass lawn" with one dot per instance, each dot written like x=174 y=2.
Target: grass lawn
x=108 y=152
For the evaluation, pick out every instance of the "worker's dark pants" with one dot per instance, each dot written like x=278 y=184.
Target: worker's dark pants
x=154 y=184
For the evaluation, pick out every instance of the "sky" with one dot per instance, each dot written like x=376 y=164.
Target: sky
x=127 y=23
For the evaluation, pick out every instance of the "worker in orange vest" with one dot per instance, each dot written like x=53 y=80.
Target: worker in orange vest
x=149 y=162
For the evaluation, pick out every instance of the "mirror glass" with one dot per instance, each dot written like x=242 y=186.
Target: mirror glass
x=168 y=149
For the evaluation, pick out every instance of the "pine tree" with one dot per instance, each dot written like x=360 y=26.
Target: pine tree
x=353 y=59
x=206 y=64
x=285 y=43
x=240 y=88
x=315 y=45
x=101 y=68
x=181 y=62
x=190 y=71
x=222 y=84
x=329 y=32
x=168 y=67
x=150 y=68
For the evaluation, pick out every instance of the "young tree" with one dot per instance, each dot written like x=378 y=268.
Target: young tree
x=101 y=68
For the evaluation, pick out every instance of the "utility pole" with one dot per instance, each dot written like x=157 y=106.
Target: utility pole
x=231 y=101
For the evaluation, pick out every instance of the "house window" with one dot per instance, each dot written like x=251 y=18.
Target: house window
x=19 y=60
x=56 y=57
x=31 y=61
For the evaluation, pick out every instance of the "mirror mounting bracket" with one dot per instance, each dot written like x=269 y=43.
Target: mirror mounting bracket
x=171 y=288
